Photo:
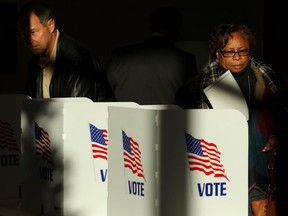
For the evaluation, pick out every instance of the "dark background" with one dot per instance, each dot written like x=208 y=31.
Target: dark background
x=103 y=25
x=8 y=37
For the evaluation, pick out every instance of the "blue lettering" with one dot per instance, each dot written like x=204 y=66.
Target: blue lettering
x=103 y=174
x=9 y=160
x=216 y=188
x=46 y=174
x=209 y=189
x=223 y=189
x=136 y=188
x=212 y=189
x=201 y=190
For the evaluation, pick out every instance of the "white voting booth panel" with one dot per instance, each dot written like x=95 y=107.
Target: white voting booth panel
x=65 y=172
x=177 y=162
x=10 y=148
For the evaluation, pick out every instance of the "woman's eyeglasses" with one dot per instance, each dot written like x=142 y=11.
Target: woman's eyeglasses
x=226 y=53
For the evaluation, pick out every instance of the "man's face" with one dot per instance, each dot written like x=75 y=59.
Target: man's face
x=36 y=36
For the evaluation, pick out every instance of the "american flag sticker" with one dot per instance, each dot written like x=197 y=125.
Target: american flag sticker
x=43 y=144
x=132 y=156
x=7 y=140
x=204 y=157
x=99 y=142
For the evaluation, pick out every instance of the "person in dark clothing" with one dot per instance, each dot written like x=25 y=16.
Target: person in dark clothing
x=264 y=91
x=154 y=70
x=60 y=66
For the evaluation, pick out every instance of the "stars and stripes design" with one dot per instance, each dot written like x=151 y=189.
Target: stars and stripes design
x=204 y=156
x=43 y=144
x=132 y=156
x=99 y=142
x=7 y=140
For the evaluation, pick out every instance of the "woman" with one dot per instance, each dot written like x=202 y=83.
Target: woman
x=231 y=47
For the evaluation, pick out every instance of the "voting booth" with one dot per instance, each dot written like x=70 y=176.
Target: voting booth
x=168 y=162
x=64 y=161
x=107 y=159
x=10 y=148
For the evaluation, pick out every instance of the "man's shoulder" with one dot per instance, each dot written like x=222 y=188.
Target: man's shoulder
x=126 y=49
x=69 y=47
x=67 y=42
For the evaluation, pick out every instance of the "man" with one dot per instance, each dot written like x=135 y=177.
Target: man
x=60 y=66
x=152 y=72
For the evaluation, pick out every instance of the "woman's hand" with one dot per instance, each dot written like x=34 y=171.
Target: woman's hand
x=272 y=145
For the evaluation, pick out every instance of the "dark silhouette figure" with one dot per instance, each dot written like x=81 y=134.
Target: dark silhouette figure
x=153 y=71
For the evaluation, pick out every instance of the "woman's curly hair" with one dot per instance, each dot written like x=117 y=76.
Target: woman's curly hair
x=221 y=34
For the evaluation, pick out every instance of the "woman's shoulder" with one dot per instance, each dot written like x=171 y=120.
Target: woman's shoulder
x=261 y=66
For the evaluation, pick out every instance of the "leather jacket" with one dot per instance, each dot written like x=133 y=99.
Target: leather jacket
x=77 y=73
